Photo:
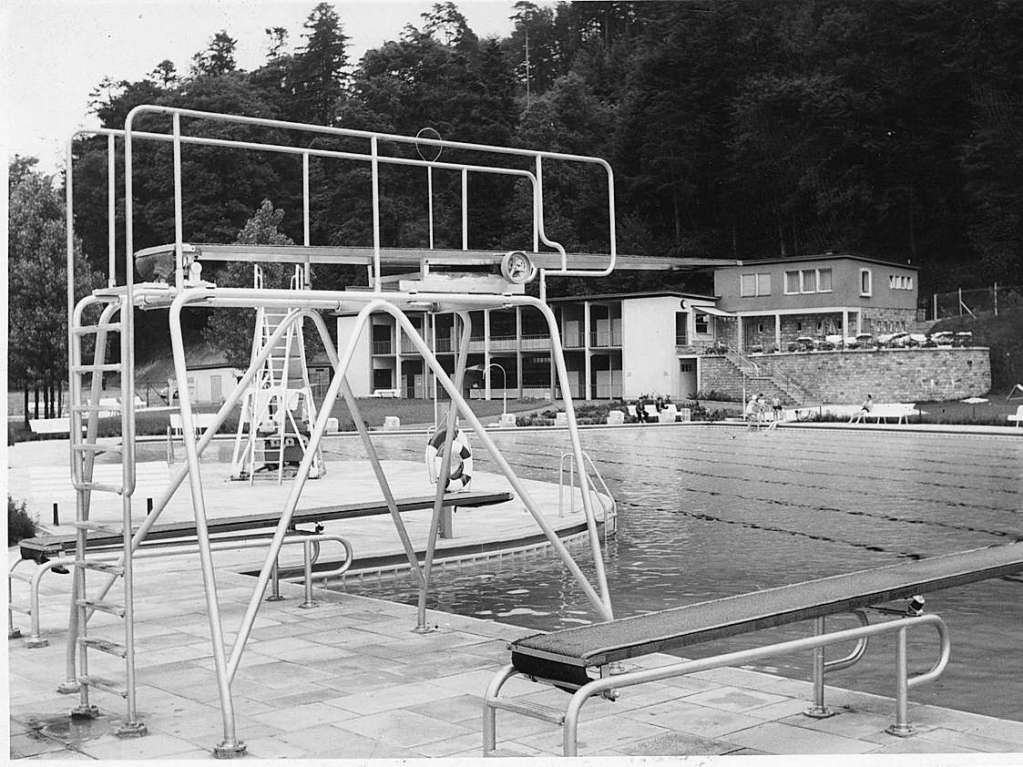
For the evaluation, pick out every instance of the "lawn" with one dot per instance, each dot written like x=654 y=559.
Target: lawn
x=410 y=412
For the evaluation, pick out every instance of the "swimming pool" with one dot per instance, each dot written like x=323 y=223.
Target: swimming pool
x=709 y=511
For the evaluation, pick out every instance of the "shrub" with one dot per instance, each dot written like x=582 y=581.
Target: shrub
x=19 y=523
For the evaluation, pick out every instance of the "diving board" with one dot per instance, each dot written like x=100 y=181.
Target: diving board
x=42 y=547
x=561 y=658
x=402 y=257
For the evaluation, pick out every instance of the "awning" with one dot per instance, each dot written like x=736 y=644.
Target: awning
x=711 y=310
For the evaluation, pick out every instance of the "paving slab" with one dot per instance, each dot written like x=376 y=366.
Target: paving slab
x=349 y=678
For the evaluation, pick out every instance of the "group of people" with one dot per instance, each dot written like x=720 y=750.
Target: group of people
x=659 y=404
x=756 y=412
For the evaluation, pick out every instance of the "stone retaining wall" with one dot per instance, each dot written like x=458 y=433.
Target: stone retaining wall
x=891 y=375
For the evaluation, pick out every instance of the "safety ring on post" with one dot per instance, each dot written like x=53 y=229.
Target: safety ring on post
x=517 y=268
x=461 y=459
x=428 y=152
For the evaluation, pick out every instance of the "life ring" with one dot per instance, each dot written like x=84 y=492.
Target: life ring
x=461 y=459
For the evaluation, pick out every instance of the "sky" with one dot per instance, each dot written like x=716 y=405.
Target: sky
x=53 y=53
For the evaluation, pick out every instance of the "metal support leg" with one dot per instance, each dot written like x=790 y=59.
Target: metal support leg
x=818 y=710
x=445 y=472
x=901 y=728
x=458 y=400
x=307 y=558
x=230 y=746
x=489 y=712
x=367 y=442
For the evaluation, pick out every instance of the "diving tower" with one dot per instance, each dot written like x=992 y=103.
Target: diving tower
x=399 y=281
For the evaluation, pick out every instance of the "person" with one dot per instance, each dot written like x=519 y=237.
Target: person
x=775 y=411
x=864 y=411
x=754 y=411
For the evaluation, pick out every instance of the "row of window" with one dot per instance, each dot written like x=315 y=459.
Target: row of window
x=796 y=281
x=813 y=281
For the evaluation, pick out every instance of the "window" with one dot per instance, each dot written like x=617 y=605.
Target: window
x=865 y=282
x=900 y=282
x=681 y=324
x=754 y=285
x=791 y=282
x=809 y=281
x=702 y=323
x=747 y=285
x=824 y=280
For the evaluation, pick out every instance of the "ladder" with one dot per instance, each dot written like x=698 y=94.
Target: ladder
x=84 y=416
x=278 y=406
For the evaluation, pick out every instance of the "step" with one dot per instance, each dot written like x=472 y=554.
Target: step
x=103 y=645
x=99 y=683
x=100 y=487
x=103 y=607
x=84 y=330
x=534 y=710
x=101 y=567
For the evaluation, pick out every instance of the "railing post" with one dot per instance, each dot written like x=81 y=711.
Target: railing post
x=308 y=564
x=818 y=710
x=275 y=584
x=901 y=727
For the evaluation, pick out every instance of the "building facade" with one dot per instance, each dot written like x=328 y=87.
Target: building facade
x=673 y=343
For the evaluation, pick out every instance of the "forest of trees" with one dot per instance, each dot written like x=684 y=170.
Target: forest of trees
x=736 y=129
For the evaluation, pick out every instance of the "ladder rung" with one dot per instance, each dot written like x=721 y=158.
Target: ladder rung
x=103 y=645
x=103 y=684
x=534 y=710
x=84 y=330
x=102 y=567
x=117 y=489
x=103 y=607
x=108 y=367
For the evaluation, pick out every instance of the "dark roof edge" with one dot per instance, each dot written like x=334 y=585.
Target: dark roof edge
x=826 y=257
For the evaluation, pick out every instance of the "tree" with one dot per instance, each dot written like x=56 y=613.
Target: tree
x=37 y=274
x=218 y=58
x=317 y=77
x=230 y=330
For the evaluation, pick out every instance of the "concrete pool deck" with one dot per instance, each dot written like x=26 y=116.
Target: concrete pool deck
x=349 y=679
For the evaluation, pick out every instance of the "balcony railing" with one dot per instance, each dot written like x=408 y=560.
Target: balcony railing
x=605 y=338
x=383 y=347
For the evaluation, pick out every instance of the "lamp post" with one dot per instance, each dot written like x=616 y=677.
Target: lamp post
x=504 y=382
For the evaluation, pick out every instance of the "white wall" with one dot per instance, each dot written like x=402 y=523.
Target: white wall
x=359 y=374
x=649 y=364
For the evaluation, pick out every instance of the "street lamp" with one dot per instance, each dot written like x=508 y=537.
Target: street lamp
x=504 y=381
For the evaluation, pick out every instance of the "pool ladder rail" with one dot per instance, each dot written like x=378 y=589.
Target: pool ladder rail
x=84 y=446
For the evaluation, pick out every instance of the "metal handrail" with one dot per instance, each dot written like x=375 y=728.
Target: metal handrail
x=375 y=159
x=611 y=508
x=606 y=684
x=160 y=550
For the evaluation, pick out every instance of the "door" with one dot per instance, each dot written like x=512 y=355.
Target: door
x=687 y=378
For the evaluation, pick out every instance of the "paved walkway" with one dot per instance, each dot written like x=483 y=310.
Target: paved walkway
x=350 y=679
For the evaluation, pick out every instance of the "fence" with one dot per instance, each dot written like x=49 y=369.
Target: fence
x=971 y=303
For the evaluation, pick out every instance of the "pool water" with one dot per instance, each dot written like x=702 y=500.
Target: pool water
x=710 y=511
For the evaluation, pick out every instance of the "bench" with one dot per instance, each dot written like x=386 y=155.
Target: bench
x=561 y=658
x=900 y=411
x=200 y=421
x=1018 y=417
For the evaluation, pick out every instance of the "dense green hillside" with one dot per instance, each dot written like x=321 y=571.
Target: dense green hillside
x=1004 y=334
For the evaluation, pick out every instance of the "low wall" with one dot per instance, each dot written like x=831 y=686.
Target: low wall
x=890 y=375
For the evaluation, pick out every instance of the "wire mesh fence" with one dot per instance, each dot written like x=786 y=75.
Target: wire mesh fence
x=977 y=301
